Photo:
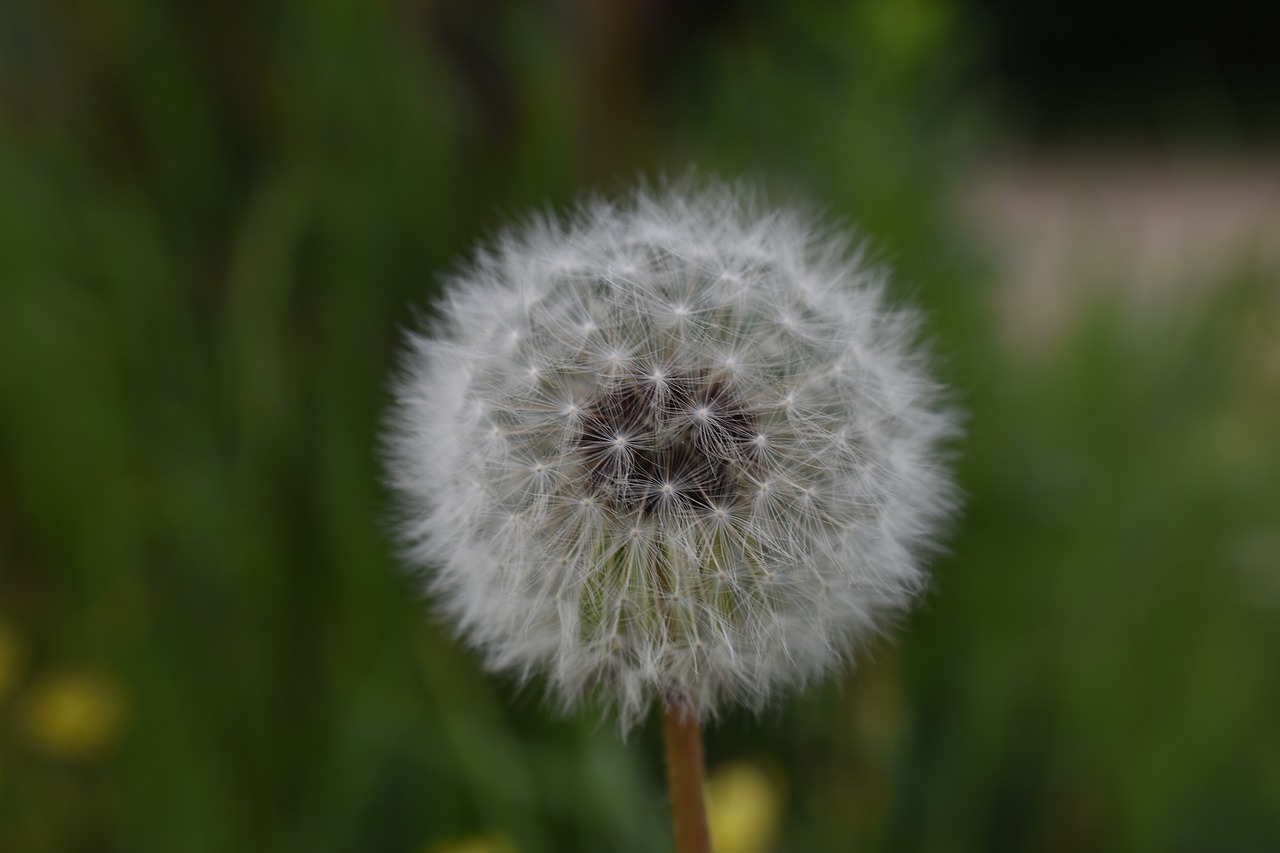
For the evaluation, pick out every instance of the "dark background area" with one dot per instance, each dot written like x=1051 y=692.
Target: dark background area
x=1146 y=70
x=217 y=219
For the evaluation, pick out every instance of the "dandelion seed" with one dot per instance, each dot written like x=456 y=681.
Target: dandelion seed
x=737 y=457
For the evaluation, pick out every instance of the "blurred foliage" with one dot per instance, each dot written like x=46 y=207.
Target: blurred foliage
x=478 y=844
x=216 y=218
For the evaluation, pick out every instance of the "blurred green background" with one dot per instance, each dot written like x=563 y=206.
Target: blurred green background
x=217 y=218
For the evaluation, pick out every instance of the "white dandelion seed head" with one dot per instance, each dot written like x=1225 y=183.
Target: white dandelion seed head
x=674 y=446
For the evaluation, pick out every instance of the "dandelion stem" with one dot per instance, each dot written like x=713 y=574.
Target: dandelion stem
x=683 y=741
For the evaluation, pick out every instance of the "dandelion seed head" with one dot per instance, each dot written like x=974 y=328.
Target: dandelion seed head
x=716 y=487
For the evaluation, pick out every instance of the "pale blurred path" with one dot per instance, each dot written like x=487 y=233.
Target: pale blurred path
x=1064 y=228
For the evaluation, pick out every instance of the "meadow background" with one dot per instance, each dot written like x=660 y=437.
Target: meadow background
x=216 y=219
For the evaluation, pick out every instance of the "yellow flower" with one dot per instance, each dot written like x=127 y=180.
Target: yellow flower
x=73 y=715
x=742 y=809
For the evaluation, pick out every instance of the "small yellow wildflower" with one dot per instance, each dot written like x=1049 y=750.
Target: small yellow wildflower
x=743 y=807
x=73 y=715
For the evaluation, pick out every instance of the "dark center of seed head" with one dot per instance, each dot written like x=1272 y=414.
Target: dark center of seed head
x=661 y=445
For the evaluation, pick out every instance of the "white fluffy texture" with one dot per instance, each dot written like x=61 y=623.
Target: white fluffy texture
x=571 y=353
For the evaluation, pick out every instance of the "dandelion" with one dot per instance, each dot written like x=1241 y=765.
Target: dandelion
x=676 y=449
